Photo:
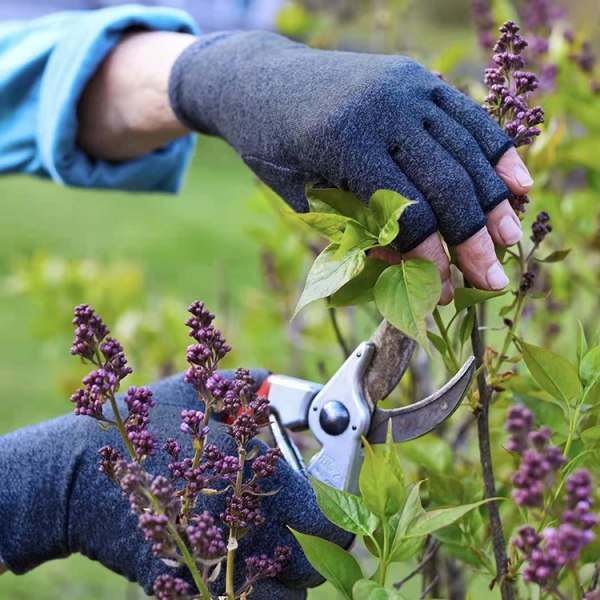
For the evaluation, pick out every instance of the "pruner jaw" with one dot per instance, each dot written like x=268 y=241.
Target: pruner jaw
x=419 y=418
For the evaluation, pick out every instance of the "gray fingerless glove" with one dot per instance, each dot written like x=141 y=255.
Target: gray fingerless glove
x=355 y=121
x=54 y=501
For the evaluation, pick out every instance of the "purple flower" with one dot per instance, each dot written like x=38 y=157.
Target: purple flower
x=206 y=539
x=88 y=405
x=172 y=448
x=109 y=458
x=518 y=202
x=541 y=227
x=260 y=567
x=155 y=530
x=192 y=423
x=519 y=422
x=115 y=358
x=227 y=467
x=509 y=87
x=243 y=429
x=242 y=512
x=526 y=281
x=485 y=24
x=167 y=587
x=90 y=331
x=266 y=465
x=134 y=482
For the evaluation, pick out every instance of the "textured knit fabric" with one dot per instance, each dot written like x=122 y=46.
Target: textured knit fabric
x=44 y=67
x=54 y=501
x=361 y=122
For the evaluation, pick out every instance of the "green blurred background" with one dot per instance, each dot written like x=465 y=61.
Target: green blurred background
x=141 y=258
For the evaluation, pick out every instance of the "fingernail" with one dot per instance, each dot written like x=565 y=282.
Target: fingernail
x=523 y=177
x=509 y=231
x=496 y=277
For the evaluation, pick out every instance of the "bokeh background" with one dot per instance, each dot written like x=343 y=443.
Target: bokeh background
x=140 y=259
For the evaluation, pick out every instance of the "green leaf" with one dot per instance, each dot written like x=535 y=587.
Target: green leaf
x=442 y=517
x=344 y=509
x=552 y=371
x=555 y=257
x=589 y=369
x=466 y=297
x=582 y=345
x=466 y=327
x=431 y=453
x=340 y=201
x=406 y=293
x=328 y=275
x=337 y=565
x=329 y=225
x=381 y=480
x=438 y=342
x=403 y=548
x=365 y=589
x=386 y=207
x=360 y=289
x=355 y=236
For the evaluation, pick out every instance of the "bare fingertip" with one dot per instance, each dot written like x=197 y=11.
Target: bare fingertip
x=496 y=277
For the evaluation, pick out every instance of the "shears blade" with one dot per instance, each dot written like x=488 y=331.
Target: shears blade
x=417 y=419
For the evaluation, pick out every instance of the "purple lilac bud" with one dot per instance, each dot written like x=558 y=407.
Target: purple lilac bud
x=164 y=493
x=509 y=87
x=242 y=512
x=586 y=59
x=211 y=454
x=266 y=465
x=260 y=567
x=244 y=383
x=519 y=423
x=541 y=227
x=100 y=383
x=206 y=538
x=172 y=448
x=485 y=24
x=243 y=429
x=108 y=459
x=134 y=482
x=518 y=203
x=90 y=331
x=526 y=282
x=192 y=423
x=115 y=358
x=86 y=404
x=227 y=467
x=155 y=529
x=167 y=587
x=177 y=469
x=260 y=409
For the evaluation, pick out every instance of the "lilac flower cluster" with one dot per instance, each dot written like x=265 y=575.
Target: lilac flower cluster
x=548 y=551
x=510 y=86
x=541 y=227
x=204 y=356
x=167 y=587
x=540 y=462
x=165 y=505
x=485 y=24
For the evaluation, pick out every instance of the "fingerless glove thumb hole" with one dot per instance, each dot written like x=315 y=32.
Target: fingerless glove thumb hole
x=446 y=186
x=463 y=148
x=492 y=141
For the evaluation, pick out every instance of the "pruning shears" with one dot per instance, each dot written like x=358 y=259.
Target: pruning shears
x=344 y=409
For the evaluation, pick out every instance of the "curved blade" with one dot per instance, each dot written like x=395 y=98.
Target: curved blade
x=415 y=420
x=393 y=351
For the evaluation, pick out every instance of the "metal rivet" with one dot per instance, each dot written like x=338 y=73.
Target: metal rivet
x=444 y=405
x=359 y=354
x=315 y=408
x=334 y=418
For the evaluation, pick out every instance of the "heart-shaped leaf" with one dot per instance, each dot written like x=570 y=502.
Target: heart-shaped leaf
x=344 y=509
x=328 y=275
x=337 y=565
x=406 y=293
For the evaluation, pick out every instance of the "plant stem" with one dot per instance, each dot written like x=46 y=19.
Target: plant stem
x=384 y=562
x=121 y=427
x=239 y=480
x=485 y=397
x=437 y=317
x=338 y=333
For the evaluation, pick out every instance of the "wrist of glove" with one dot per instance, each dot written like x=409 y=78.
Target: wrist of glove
x=55 y=501
x=361 y=122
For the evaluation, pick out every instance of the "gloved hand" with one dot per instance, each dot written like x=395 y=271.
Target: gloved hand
x=54 y=501
x=355 y=121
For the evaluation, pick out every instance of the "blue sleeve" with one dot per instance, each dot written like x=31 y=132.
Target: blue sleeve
x=44 y=67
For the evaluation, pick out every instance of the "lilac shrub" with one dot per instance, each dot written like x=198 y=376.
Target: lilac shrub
x=167 y=506
x=564 y=529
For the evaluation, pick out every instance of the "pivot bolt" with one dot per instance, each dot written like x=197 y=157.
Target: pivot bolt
x=334 y=418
